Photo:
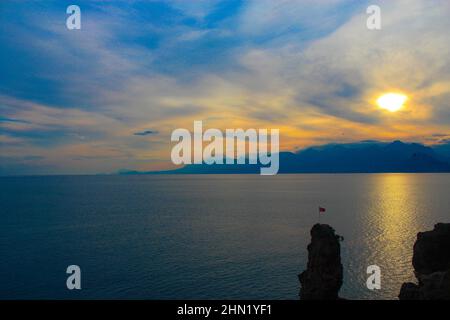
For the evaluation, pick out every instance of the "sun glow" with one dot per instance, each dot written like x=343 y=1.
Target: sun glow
x=392 y=101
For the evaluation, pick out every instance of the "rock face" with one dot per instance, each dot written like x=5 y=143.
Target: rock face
x=431 y=261
x=323 y=277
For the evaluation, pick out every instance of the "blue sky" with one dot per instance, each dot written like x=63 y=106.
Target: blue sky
x=72 y=101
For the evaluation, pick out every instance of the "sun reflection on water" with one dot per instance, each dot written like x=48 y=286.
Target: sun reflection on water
x=392 y=218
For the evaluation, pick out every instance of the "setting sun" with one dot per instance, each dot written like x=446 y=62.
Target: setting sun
x=392 y=101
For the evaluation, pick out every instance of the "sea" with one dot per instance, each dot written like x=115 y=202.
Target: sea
x=208 y=236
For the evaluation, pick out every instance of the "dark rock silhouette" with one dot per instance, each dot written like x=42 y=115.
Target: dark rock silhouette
x=431 y=261
x=324 y=274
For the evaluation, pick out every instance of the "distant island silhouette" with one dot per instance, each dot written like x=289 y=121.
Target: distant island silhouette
x=360 y=157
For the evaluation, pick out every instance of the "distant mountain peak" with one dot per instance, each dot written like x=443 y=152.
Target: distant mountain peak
x=358 y=157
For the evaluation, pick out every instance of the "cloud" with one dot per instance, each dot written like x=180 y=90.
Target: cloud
x=341 y=73
x=309 y=68
x=3 y=119
x=441 y=135
x=69 y=140
x=301 y=21
x=145 y=133
x=69 y=67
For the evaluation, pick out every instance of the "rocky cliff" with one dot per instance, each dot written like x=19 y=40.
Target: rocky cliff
x=324 y=274
x=431 y=262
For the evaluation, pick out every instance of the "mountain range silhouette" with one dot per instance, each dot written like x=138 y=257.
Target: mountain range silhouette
x=360 y=157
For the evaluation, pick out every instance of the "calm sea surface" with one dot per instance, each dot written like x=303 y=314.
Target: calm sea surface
x=208 y=236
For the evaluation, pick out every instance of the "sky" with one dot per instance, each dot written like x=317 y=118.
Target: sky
x=108 y=96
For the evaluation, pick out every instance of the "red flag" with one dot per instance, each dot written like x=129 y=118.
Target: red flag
x=322 y=209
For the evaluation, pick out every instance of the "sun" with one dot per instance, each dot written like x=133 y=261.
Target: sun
x=392 y=101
